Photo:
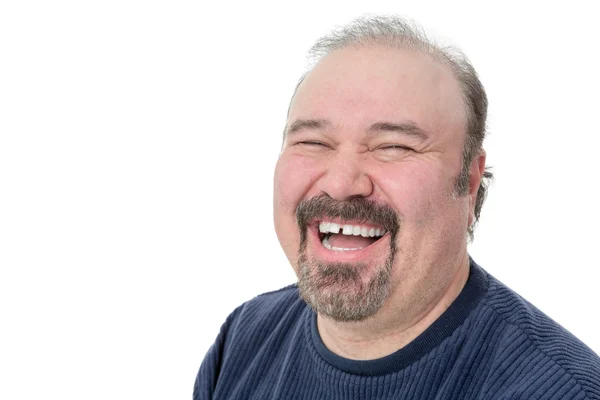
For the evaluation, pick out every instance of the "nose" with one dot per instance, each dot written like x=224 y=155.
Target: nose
x=346 y=178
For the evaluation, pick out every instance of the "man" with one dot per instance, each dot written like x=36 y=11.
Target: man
x=378 y=187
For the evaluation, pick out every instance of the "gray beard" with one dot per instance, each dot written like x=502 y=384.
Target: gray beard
x=337 y=290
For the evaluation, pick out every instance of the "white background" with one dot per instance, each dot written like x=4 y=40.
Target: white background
x=137 y=146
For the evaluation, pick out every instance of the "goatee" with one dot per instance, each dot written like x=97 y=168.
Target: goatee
x=338 y=290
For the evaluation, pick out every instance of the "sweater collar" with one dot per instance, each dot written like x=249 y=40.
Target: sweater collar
x=442 y=328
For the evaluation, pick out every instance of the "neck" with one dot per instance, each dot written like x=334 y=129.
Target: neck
x=395 y=325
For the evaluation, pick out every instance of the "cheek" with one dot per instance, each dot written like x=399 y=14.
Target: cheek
x=423 y=195
x=433 y=219
x=290 y=181
x=416 y=191
x=294 y=179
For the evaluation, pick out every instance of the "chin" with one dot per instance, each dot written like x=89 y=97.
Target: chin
x=344 y=287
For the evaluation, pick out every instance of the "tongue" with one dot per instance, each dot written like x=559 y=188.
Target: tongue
x=350 y=242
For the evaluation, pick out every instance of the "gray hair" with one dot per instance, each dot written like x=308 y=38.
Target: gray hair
x=397 y=32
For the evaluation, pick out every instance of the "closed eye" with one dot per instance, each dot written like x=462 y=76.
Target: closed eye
x=311 y=143
x=395 y=147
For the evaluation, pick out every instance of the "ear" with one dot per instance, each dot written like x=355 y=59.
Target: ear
x=475 y=175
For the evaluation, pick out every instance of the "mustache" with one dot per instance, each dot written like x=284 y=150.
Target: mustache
x=357 y=209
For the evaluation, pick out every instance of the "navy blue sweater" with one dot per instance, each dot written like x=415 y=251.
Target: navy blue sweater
x=489 y=344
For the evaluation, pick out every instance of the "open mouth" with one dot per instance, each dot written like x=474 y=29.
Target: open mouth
x=348 y=237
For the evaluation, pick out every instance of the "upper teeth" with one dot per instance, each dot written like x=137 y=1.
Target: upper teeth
x=356 y=230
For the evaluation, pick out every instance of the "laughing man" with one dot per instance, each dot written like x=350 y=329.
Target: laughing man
x=378 y=187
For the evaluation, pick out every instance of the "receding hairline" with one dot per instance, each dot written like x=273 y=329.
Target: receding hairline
x=372 y=43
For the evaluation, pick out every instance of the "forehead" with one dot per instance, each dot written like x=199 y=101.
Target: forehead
x=365 y=85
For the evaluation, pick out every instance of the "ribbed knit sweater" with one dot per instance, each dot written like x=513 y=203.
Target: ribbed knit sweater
x=489 y=344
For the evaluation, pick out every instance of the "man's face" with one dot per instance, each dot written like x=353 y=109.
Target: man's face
x=374 y=147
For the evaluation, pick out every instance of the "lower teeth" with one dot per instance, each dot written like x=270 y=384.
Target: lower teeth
x=326 y=244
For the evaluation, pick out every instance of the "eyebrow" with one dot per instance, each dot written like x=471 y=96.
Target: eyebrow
x=407 y=128
x=301 y=124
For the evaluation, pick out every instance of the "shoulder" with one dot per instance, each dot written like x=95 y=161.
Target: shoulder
x=546 y=352
x=273 y=304
x=267 y=312
x=249 y=337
